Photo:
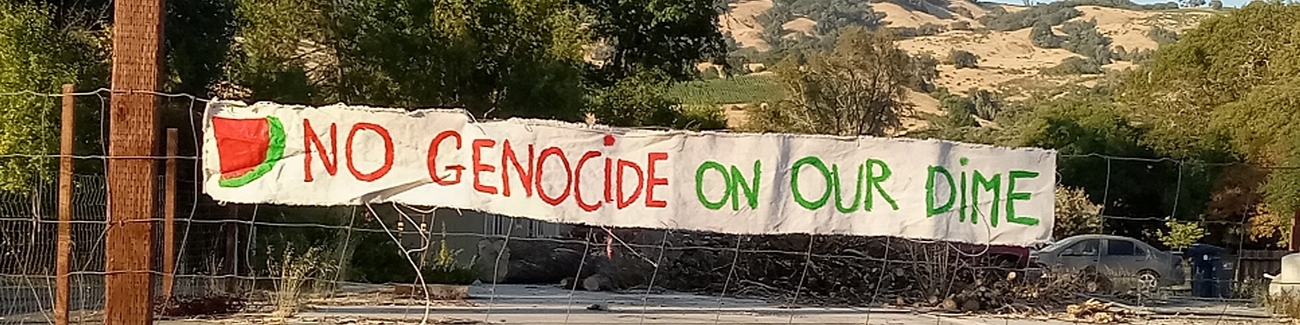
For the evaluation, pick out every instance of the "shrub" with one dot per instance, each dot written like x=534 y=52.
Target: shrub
x=1051 y=14
x=1073 y=66
x=963 y=59
x=959 y=25
x=1162 y=36
x=959 y=111
x=1042 y=36
x=1082 y=37
x=1216 y=4
x=985 y=103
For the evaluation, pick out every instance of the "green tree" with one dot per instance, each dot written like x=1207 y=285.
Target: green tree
x=666 y=35
x=1043 y=36
x=1214 y=97
x=957 y=111
x=1075 y=213
x=858 y=88
x=1216 y=4
x=502 y=57
x=963 y=59
x=1181 y=235
x=37 y=55
x=1082 y=37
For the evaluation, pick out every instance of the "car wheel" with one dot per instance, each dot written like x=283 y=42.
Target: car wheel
x=1148 y=279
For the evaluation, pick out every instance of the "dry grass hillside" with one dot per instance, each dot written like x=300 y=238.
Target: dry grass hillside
x=1009 y=62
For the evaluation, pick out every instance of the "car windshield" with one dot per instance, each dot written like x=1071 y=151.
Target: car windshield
x=1053 y=246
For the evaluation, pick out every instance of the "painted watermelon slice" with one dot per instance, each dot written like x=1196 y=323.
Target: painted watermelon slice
x=247 y=148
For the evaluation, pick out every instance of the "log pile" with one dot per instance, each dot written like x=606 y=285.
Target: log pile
x=830 y=270
x=822 y=270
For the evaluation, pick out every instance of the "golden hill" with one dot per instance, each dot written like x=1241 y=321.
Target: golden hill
x=1009 y=62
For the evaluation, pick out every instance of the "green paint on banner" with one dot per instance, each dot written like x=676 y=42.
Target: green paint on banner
x=699 y=185
x=794 y=182
x=930 y=209
x=1013 y=196
x=274 y=152
x=874 y=180
x=750 y=189
x=995 y=185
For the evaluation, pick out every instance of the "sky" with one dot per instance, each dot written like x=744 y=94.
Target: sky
x=1226 y=3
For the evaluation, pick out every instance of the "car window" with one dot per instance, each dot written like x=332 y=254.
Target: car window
x=1087 y=247
x=1139 y=251
x=1120 y=248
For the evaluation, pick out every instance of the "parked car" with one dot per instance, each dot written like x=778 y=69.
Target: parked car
x=1004 y=256
x=1112 y=256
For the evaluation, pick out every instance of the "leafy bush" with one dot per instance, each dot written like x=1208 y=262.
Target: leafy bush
x=926 y=70
x=985 y=103
x=1162 y=36
x=958 y=110
x=1135 y=56
x=1073 y=66
x=1051 y=14
x=1082 y=37
x=1216 y=4
x=1042 y=36
x=1181 y=234
x=927 y=29
x=963 y=59
x=1075 y=213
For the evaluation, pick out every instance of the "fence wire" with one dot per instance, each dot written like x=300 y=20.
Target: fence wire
x=393 y=262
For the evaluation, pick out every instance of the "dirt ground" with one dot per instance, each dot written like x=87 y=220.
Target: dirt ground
x=520 y=304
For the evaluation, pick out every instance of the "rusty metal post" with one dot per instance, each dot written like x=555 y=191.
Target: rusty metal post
x=63 y=265
x=132 y=182
x=169 y=219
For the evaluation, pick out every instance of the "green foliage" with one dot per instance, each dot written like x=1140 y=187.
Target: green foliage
x=1051 y=14
x=666 y=35
x=1074 y=66
x=927 y=29
x=831 y=17
x=701 y=117
x=506 y=57
x=859 y=88
x=1213 y=96
x=1075 y=214
x=1055 y=13
x=1193 y=3
x=1162 y=36
x=740 y=89
x=963 y=59
x=445 y=269
x=38 y=55
x=958 y=112
x=926 y=68
x=1042 y=36
x=1181 y=235
x=1216 y=4
x=1082 y=37
x=986 y=104
x=1138 y=56
x=198 y=35
x=635 y=101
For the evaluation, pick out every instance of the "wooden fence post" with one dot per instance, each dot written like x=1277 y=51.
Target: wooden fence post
x=132 y=166
x=169 y=219
x=63 y=265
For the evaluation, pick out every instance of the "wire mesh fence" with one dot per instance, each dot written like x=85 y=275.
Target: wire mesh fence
x=414 y=263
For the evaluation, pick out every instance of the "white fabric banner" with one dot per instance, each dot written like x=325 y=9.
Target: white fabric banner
x=575 y=173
